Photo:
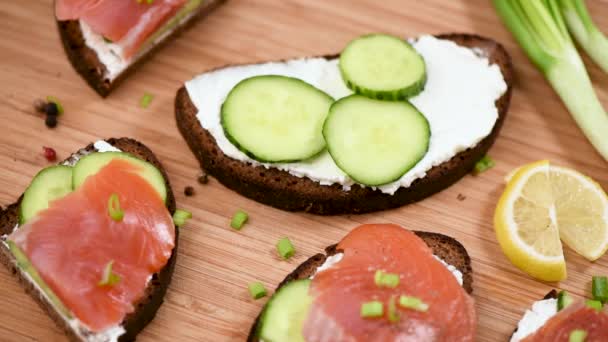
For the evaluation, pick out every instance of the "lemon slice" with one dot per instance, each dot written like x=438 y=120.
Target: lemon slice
x=543 y=203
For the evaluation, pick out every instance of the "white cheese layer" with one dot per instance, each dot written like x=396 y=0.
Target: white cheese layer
x=458 y=101
x=535 y=318
x=332 y=260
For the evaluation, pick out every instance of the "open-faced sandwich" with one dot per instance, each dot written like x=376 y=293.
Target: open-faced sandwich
x=106 y=39
x=380 y=283
x=559 y=317
x=93 y=240
x=385 y=123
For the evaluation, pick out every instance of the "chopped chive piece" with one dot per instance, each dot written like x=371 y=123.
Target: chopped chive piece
x=257 y=290
x=483 y=164
x=599 y=288
x=145 y=100
x=413 y=303
x=56 y=102
x=563 y=300
x=386 y=279
x=108 y=278
x=285 y=248
x=239 y=219
x=577 y=335
x=594 y=304
x=393 y=314
x=181 y=216
x=372 y=309
x=114 y=209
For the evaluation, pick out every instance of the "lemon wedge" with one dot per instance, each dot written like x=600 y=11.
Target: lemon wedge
x=542 y=204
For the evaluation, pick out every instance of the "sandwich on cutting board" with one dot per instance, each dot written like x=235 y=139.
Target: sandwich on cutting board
x=380 y=283
x=385 y=123
x=93 y=240
x=107 y=39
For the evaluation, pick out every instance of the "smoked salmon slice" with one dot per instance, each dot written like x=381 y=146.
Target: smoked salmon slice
x=127 y=23
x=72 y=241
x=339 y=292
x=575 y=317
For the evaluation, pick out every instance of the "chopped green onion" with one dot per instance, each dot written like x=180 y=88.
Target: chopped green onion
x=56 y=102
x=483 y=164
x=393 y=314
x=257 y=290
x=114 y=209
x=594 y=304
x=108 y=278
x=599 y=288
x=540 y=29
x=577 y=335
x=239 y=219
x=146 y=100
x=285 y=248
x=413 y=303
x=181 y=216
x=372 y=309
x=563 y=300
x=386 y=279
x=584 y=30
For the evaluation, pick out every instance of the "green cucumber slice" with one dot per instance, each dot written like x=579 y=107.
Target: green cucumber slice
x=284 y=315
x=375 y=142
x=383 y=67
x=49 y=184
x=92 y=163
x=275 y=118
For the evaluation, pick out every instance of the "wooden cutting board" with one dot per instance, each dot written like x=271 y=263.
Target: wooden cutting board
x=208 y=299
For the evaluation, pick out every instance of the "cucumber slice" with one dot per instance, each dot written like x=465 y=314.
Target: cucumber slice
x=49 y=184
x=375 y=142
x=383 y=67
x=92 y=163
x=284 y=314
x=275 y=118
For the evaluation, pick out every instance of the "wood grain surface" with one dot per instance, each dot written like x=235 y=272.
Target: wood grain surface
x=208 y=299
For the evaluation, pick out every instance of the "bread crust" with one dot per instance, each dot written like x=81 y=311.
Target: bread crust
x=443 y=246
x=145 y=309
x=284 y=191
x=87 y=64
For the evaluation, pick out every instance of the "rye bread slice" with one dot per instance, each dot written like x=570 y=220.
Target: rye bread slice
x=447 y=248
x=146 y=308
x=88 y=65
x=284 y=191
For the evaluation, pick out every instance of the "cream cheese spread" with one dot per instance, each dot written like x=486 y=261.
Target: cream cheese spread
x=458 y=101
x=535 y=318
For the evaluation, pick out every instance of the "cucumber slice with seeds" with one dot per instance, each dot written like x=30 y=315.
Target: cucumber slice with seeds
x=375 y=142
x=49 y=184
x=276 y=118
x=383 y=67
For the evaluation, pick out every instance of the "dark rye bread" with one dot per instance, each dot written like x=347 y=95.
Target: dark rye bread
x=550 y=295
x=447 y=248
x=284 y=191
x=85 y=60
x=146 y=308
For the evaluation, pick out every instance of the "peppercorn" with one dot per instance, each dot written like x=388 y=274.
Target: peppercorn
x=51 y=121
x=204 y=179
x=51 y=109
x=189 y=191
x=49 y=153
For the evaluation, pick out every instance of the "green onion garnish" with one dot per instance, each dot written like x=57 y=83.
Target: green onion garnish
x=372 y=309
x=577 y=335
x=146 y=100
x=56 y=102
x=563 y=300
x=599 y=288
x=239 y=219
x=108 y=278
x=257 y=290
x=594 y=304
x=413 y=303
x=540 y=29
x=383 y=279
x=181 y=216
x=114 y=209
x=483 y=164
x=285 y=248
x=393 y=314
